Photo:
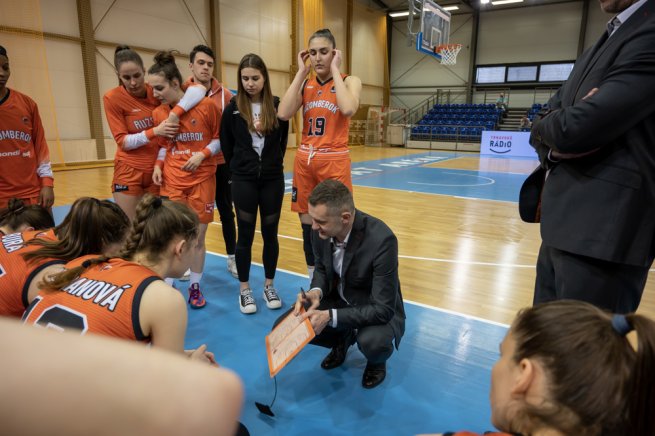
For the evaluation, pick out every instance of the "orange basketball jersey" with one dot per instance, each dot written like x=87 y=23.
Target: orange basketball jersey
x=104 y=300
x=198 y=127
x=127 y=115
x=15 y=273
x=325 y=128
x=221 y=96
x=24 y=155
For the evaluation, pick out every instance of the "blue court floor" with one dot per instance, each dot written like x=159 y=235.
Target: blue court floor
x=411 y=174
x=437 y=381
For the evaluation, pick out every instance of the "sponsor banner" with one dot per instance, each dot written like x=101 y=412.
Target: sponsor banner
x=511 y=144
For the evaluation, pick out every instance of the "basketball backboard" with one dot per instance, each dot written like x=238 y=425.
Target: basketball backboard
x=435 y=28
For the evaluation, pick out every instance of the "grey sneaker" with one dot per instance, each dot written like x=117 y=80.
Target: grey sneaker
x=247 y=302
x=272 y=299
x=232 y=267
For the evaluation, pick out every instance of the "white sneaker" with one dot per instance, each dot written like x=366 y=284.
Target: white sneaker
x=186 y=276
x=247 y=302
x=232 y=267
x=272 y=299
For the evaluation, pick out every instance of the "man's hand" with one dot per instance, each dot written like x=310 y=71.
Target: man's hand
x=193 y=163
x=47 y=197
x=318 y=318
x=311 y=297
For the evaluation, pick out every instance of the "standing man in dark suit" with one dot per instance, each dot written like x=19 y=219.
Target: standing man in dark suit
x=355 y=294
x=596 y=144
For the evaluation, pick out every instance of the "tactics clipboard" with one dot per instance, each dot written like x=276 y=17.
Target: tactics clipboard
x=286 y=340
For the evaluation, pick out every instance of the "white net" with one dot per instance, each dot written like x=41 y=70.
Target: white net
x=448 y=53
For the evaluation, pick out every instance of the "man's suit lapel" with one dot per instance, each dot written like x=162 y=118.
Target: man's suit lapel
x=603 y=44
x=584 y=67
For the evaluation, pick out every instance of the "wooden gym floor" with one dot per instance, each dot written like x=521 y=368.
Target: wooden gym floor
x=468 y=255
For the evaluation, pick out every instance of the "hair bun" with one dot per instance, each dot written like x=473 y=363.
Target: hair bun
x=164 y=57
x=121 y=48
x=15 y=205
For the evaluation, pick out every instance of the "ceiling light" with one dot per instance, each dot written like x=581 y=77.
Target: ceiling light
x=484 y=2
x=406 y=13
x=505 y=2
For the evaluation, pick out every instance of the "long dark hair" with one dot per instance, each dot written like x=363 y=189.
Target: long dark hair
x=597 y=382
x=165 y=66
x=90 y=226
x=269 y=120
x=17 y=214
x=124 y=53
x=157 y=221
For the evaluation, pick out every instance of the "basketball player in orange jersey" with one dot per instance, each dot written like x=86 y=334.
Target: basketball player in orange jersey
x=328 y=100
x=25 y=170
x=17 y=217
x=201 y=62
x=128 y=109
x=125 y=296
x=186 y=166
x=91 y=227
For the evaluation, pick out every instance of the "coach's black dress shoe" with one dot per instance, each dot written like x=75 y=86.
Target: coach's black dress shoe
x=336 y=357
x=374 y=374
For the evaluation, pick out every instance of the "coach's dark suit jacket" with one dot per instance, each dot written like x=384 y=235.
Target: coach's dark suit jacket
x=603 y=205
x=370 y=274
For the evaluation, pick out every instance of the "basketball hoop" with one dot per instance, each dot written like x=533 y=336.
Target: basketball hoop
x=448 y=53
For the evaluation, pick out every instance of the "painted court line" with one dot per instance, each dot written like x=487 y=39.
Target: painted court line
x=426 y=306
x=429 y=259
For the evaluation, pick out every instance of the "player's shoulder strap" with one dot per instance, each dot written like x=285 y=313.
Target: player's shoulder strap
x=302 y=88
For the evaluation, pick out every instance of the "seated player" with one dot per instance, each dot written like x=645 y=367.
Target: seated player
x=91 y=226
x=18 y=217
x=125 y=296
x=568 y=368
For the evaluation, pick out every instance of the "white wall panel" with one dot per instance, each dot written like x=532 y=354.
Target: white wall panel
x=67 y=79
x=256 y=26
x=60 y=16
x=152 y=23
x=539 y=33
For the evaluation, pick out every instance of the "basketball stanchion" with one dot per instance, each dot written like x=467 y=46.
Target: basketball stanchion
x=448 y=53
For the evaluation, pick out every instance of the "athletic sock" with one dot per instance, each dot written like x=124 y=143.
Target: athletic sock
x=195 y=277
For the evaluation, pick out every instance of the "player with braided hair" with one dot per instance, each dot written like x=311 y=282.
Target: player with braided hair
x=91 y=226
x=18 y=217
x=125 y=296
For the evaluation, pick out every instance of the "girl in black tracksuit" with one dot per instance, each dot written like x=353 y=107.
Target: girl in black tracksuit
x=254 y=141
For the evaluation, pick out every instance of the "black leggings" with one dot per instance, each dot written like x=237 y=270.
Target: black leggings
x=224 y=206
x=267 y=195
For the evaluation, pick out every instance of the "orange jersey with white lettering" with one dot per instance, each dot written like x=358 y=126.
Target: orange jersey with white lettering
x=104 y=299
x=24 y=156
x=15 y=273
x=324 y=126
x=198 y=127
x=221 y=96
x=127 y=115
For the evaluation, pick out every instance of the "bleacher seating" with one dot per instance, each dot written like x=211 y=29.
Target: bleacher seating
x=456 y=122
x=534 y=110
